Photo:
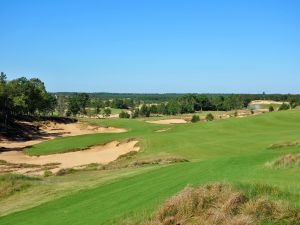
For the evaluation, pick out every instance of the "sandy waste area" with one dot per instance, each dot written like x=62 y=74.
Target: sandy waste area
x=266 y=102
x=168 y=121
x=15 y=160
x=101 y=154
x=53 y=130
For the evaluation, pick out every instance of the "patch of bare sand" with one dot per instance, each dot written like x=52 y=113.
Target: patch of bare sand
x=162 y=130
x=168 y=121
x=102 y=154
x=266 y=102
x=53 y=130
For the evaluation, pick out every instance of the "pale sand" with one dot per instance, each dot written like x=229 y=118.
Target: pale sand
x=266 y=102
x=162 y=130
x=102 y=154
x=168 y=121
x=53 y=130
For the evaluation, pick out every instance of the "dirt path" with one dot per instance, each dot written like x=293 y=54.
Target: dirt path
x=168 y=121
x=102 y=154
x=53 y=130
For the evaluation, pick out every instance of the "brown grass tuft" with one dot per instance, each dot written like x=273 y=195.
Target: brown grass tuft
x=289 y=160
x=219 y=204
x=284 y=144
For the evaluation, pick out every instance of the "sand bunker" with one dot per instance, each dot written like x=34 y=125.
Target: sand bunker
x=53 y=130
x=169 y=121
x=266 y=102
x=102 y=154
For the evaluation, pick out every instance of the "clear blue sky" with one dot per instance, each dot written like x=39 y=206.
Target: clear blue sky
x=247 y=46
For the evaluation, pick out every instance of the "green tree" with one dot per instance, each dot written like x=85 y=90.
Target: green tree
x=271 y=108
x=124 y=115
x=173 y=107
x=135 y=113
x=73 y=107
x=4 y=100
x=106 y=112
x=284 y=106
x=83 y=100
x=61 y=105
x=144 y=111
x=153 y=109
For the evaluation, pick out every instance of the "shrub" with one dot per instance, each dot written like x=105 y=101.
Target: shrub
x=210 y=117
x=124 y=115
x=271 y=108
x=195 y=118
x=145 y=111
x=284 y=106
x=48 y=173
x=106 y=112
x=135 y=113
x=66 y=171
x=220 y=204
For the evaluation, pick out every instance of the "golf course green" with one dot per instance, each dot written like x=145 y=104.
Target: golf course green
x=234 y=151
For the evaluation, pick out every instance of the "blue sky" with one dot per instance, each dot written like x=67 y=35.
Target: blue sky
x=153 y=46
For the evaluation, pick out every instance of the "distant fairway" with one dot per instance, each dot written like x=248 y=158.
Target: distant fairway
x=232 y=150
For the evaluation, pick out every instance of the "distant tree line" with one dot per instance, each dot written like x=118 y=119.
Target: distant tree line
x=193 y=102
x=176 y=104
x=159 y=98
x=24 y=96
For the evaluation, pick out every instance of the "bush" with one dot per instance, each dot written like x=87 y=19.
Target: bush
x=48 y=173
x=66 y=171
x=124 y=115
x=209 y=117
x=195 y=118
x=284 y=106
x=271 y=108
x=221 y=204
x=106 y=112
x=145 y=111
x=236 y=113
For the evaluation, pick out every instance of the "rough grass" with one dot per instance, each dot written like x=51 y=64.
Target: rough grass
x=66 y=171
x=284 y=145
x=124 y=161
x=8 y=167
x=13 y=183
x=220 y=204
x=290 y=160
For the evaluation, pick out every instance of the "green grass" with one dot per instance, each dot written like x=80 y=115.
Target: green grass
x=232 y=150
x=264 y=106
x=117 y=111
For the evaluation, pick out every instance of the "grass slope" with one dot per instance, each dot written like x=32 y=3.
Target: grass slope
x=232 y=150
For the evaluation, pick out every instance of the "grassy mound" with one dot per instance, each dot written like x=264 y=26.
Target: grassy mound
x=220 y=204
x=13 y=183
x=290 y=160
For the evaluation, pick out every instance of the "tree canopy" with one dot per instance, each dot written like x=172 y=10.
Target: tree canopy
x=24 y=96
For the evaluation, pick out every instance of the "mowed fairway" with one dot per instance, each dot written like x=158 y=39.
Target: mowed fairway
x=232 y=150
